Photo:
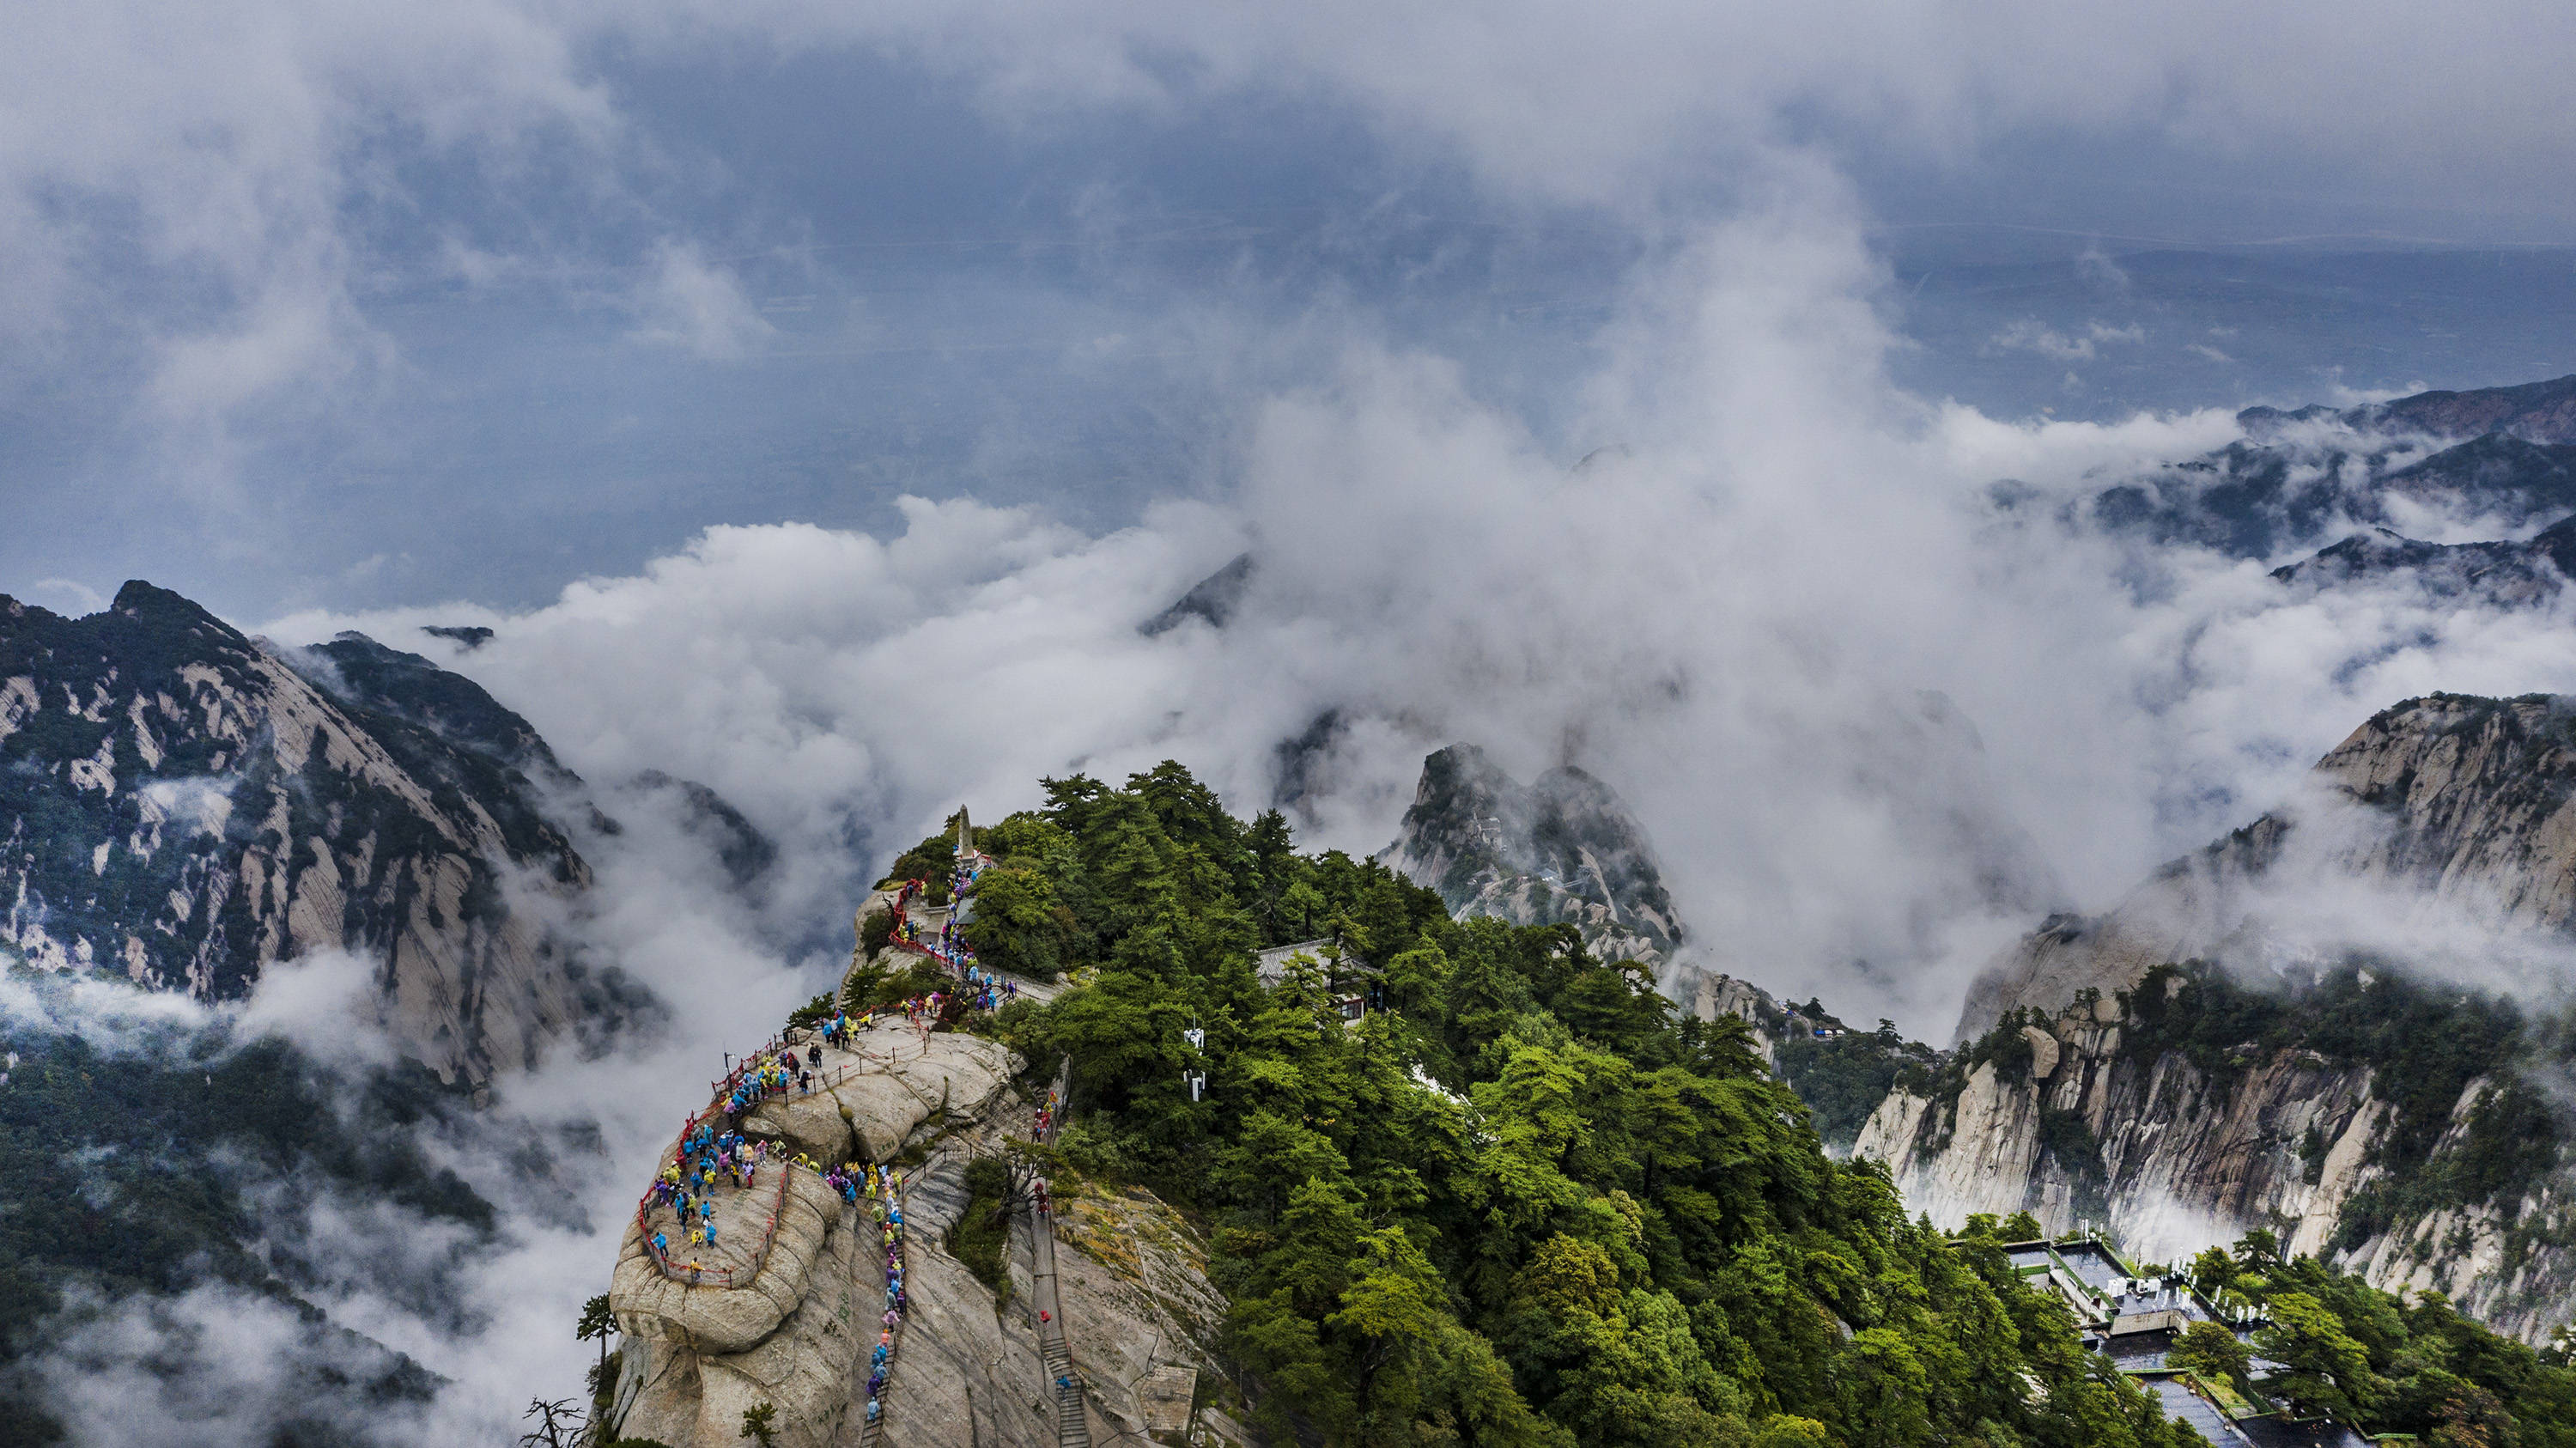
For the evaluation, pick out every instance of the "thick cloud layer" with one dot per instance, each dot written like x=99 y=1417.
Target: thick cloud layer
x=1875 y=722
x=241 y=136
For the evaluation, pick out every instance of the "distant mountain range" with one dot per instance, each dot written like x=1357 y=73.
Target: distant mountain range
x=2498 y=460
x=2507 y=572
x=2540 y=412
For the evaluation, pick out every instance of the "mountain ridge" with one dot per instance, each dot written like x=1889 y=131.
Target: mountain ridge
x=183 y=805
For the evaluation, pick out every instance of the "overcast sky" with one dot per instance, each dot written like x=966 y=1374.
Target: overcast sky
x=365 y=304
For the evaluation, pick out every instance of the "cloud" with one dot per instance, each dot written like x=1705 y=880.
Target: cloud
x=79 y=598
x=212 y=204
x=2096 y=265
x=686 y=302
x=2030 y=335
x=109 y=1016
x=181 y=183
x=216 y=1364
x=1736 y=616
x=326 y=1003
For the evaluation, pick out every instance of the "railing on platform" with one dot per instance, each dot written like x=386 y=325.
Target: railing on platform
x=699 y=1274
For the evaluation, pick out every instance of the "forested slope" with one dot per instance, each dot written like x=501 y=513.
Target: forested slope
x=1522 y=1201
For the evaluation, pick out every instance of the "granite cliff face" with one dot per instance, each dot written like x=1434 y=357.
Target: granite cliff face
x=1562 y=849
x=2201 y=1060
x=2479 y=797
x=2088 y=1123
x=182 y=805
x=795 y=1327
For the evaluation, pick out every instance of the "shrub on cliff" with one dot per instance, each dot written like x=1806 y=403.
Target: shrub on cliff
x=930 y=862
x=876 y=932
x=873 y=987
x=981 y=1234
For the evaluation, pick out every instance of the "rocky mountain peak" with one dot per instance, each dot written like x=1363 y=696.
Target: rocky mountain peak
x=136 y=597
x=1212 y=599
x=1563 y=848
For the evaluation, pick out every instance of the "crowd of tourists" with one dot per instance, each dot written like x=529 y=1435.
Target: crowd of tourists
x=687 y=1186
x=885 y=1190
x=765 y=1077
x=979 y=991
x=707 y=1157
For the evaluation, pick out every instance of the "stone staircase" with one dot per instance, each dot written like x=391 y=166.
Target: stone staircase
x=1072 y=1428
x=872 y=1432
